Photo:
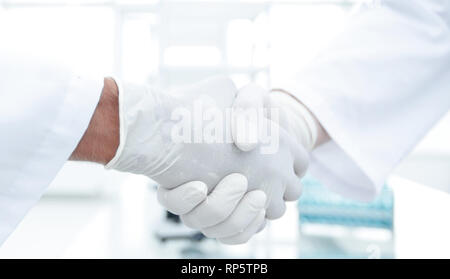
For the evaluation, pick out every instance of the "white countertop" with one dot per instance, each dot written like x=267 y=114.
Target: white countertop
x=124 y=227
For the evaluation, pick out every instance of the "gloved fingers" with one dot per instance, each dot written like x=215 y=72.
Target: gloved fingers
x=247 y=111
x=244 y=236
x=293 y=189
x=301 y=158
x=183 y=198
x=219 y=204
x=244 y=130
x=275 y=211
x=262 y=226
x=247 y=210
x=276 y=206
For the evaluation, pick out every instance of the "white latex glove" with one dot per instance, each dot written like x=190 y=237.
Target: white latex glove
x=146 y=147
x=185 y=198
x=295 y=118
x=291 y=116
x=245 y=210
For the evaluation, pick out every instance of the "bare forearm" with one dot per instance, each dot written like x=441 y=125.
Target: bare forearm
x=101 y=139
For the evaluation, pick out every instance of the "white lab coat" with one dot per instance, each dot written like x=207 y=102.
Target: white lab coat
x=377 y=90
x=44 y=110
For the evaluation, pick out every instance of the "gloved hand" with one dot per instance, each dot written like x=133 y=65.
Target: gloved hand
x=147 y=147
x=284 y=109
x=291 y=115
x=183 y=199
x=245 y=210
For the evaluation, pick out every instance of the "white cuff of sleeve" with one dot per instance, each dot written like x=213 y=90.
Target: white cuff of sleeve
x=334 y=163
x=75 y=110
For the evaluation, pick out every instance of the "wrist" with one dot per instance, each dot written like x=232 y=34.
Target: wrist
x=101 y=139
x=300 y=121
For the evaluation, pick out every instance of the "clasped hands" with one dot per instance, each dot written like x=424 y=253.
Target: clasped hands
x=225 y=159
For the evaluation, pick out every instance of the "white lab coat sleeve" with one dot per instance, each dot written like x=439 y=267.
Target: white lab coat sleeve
x=377 y=89
x=44 y=111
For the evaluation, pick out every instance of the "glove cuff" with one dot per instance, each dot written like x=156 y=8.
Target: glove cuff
x=297 y=119
x=144 y=148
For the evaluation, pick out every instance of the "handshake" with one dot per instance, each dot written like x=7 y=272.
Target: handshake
x=226 y=160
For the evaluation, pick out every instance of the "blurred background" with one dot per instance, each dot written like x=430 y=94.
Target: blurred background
x=89 y=212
